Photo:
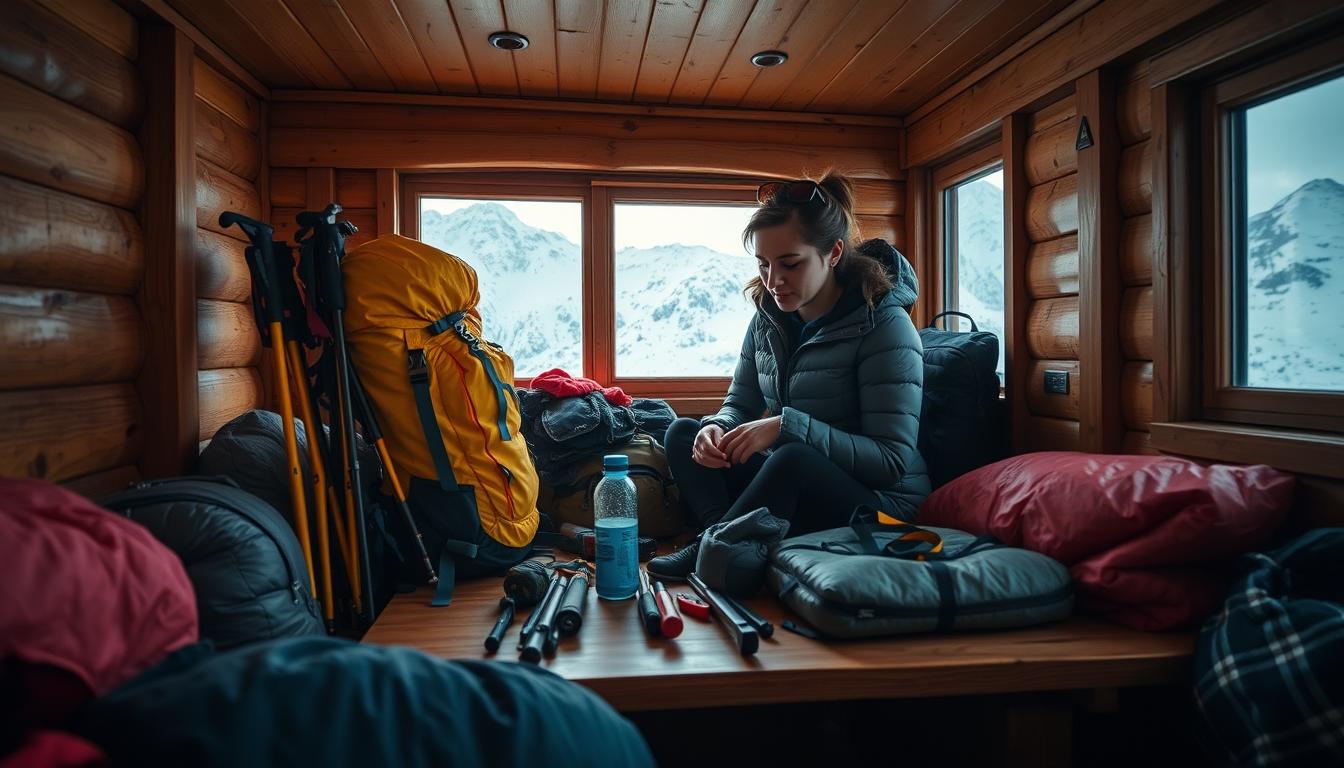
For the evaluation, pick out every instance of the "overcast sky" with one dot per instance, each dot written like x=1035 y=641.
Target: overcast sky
x=1292 y=140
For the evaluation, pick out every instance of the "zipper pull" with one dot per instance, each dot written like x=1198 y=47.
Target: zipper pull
x=297 y=589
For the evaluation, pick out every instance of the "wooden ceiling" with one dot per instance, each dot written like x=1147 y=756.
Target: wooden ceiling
x=849 y=56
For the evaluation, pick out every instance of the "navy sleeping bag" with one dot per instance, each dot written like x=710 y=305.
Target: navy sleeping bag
x=331 y=702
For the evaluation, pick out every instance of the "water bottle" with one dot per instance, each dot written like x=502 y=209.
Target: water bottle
x=615 y=512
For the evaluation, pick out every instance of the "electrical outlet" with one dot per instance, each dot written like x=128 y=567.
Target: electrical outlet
x=1057 y=382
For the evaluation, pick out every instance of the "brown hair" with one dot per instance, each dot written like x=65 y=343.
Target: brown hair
x=821 y=226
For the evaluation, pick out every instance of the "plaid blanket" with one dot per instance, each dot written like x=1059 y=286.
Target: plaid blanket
x=1269 y=669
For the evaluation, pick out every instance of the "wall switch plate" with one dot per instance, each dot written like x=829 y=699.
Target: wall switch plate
x=1057 y=382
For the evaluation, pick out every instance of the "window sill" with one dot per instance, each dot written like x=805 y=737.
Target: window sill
x=1311 y=453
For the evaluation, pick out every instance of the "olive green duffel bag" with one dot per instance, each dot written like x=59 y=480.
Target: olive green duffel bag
x=660 y=510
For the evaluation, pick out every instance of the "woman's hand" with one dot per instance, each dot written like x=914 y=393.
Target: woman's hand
x=705 y=450
x=753 y=437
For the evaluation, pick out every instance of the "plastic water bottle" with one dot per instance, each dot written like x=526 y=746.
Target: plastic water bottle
x=616 y=514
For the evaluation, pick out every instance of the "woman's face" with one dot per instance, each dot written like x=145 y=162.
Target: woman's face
x=791 y=270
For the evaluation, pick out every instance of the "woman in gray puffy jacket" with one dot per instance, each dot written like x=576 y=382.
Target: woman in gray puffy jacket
x=823 y=411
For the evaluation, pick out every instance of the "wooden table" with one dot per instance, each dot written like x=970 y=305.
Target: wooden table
x=612 y=656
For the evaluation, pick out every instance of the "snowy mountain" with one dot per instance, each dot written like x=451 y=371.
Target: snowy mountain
x=1295 y=290
x=680 y=309
x=980 y=266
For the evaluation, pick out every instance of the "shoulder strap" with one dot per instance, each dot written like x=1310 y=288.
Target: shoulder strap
x=418 y=370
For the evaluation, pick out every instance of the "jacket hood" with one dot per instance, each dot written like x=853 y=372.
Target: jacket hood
x=905 y=284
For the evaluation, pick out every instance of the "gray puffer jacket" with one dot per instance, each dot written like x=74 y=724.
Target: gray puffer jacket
x=853 y=391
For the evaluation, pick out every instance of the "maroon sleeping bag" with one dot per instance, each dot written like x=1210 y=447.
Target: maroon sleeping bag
x=1146 y=538
x=86 y=591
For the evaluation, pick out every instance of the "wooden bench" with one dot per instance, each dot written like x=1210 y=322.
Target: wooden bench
x=612 y=656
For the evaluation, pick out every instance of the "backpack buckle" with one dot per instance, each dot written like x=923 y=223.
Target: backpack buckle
x=416 y=365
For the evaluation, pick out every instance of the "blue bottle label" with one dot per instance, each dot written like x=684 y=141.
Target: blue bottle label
x=617 y=558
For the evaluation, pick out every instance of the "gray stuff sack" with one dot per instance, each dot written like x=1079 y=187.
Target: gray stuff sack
x=734 y=553
x=870 y=580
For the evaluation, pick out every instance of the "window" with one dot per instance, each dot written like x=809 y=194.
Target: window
x=1288 y=240
x=680 y=271
x=1275 y=247
x=528 y=259
x=969 y=215
x=632 y=282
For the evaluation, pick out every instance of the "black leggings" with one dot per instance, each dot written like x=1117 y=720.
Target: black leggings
x=795 y=481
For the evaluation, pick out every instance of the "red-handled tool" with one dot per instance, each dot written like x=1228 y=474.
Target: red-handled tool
x=693 y=606
x=670 y=623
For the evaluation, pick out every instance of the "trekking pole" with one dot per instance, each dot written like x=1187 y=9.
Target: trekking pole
x=370 y=422
x=328 y=237
x=267 y=303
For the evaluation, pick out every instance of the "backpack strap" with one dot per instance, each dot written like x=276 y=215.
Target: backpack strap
x=452 y=549
x=456 y=323
x=418 y=370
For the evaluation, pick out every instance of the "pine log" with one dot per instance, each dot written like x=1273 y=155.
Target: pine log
x=226 y=335
x=58 y=434
x=1052 y=328
x=56 y=240
x=58 y=338
x=1052 y=209
x=1052 y=268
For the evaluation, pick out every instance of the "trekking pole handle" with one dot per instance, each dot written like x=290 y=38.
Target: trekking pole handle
x=261 y=261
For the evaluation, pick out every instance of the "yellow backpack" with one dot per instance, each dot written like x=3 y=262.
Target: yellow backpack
x=443 y=397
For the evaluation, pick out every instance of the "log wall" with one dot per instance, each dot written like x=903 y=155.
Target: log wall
x=227 y=130
x=72 y=253
x=1052 y=328
x=1135 y=181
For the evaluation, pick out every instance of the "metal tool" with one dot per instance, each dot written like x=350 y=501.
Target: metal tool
x=693 y=606
x=670 y=623
x=496 y=635
x=742 y=632
x=648 y=607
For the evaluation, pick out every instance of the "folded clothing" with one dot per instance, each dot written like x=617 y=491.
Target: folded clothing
x=1146 y=538
x=561 y=384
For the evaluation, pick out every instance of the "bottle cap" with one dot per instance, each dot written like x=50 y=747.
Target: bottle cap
x=615 y=462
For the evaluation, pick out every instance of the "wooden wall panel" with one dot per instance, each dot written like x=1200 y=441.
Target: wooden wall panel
x=221 y=267
x=1051 y=153
x=885 y=227
x=221 y=93
x=226 y=336
x=1136 y=179
x=56 y=240
x=57 y=434
x=72 y=251
x=1052 y=209
x=1053 y=114
x=1048 y=434
x=217 y=191
x=356 y=189
x=1136 y=323
x=225 y=143
x=1136 y=250
x=1052 y=268
x=45 y=51
x=1134 y=107
x=289 y=187
x=283 y=221
x=55 y=338
x=1052 y=329
x=226 y=393
x=100 y=485
x=1138 y=443
x=1136 y=394
x=49 y=142
x=1044 y=403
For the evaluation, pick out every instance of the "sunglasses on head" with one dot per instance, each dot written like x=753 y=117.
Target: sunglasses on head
x=799 y=192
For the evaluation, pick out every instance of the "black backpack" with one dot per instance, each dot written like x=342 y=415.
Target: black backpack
x=243 y=560
x=961 y=400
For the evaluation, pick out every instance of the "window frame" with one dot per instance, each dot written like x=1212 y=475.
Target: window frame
x=1220 y=99
x=598 y=194
x=941 y=266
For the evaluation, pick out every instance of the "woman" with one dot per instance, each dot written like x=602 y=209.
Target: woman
x=823 y=411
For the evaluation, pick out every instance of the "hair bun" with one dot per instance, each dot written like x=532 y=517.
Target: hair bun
x=840 y=188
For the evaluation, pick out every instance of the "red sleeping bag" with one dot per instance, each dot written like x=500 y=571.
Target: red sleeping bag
x=84 y=590
x=1146 y=538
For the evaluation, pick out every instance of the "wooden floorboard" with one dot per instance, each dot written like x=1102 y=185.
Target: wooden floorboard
x=612 y=656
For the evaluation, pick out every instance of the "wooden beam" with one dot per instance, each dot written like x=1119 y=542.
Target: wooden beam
x=1099 y=283
x=917 y=238
x=207 y=48
x=167 y=298
x=586 y=108
x=1096 y=38
x=1017 y=303
x=389 y=197
x=1311 y=453
x=1242 y=36
x=1175 y=317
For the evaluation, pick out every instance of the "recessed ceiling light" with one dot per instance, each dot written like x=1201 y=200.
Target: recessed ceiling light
x=508 y=41
x=766 y=59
